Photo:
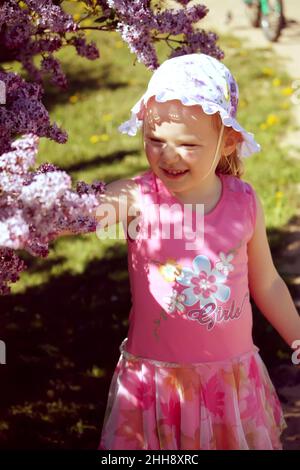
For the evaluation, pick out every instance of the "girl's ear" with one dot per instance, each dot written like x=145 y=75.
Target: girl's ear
x=231 y=139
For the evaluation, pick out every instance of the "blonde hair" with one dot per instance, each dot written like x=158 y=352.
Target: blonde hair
x=230 y=164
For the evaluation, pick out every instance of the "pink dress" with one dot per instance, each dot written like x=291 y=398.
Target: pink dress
x=189 y=375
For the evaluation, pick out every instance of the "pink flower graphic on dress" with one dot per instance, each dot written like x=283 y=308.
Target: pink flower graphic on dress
x=214 y=396
x=204 y=284
x=144 y=395
x=170 y=412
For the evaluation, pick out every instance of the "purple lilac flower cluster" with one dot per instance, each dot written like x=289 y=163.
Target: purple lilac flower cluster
x=31 y=27
x=24 y=112
x=138 y=25
x=35 y=205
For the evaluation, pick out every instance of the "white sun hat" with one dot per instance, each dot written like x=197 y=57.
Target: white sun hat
x=195 y=79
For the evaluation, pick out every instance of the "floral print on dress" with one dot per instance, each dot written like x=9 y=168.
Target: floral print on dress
x=231 y=405
x=202 y=286
x=175 y=302
x=205 y=285
x=170 y=270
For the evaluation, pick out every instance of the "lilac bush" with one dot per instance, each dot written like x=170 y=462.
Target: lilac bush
x=36 y=204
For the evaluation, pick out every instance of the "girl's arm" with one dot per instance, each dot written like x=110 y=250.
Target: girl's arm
x=118 y=203
x=267 y=288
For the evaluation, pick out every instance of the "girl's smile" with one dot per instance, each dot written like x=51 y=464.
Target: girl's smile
x=174 y=174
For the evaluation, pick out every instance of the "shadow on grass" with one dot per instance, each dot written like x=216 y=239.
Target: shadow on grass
x=39 y=265
x=80 y=80
x=62 y=342
x=99 y=161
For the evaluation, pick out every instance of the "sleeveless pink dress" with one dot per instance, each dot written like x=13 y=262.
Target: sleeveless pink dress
x=189 y=375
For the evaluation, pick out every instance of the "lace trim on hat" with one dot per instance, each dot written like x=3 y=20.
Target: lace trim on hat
x=244 y=149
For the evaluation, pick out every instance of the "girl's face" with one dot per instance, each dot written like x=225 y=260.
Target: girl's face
x=181 y=139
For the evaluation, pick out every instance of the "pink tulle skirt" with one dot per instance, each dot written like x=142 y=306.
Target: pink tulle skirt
x=220 y=405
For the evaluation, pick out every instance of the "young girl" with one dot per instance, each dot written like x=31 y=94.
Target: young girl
x=189 y=375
